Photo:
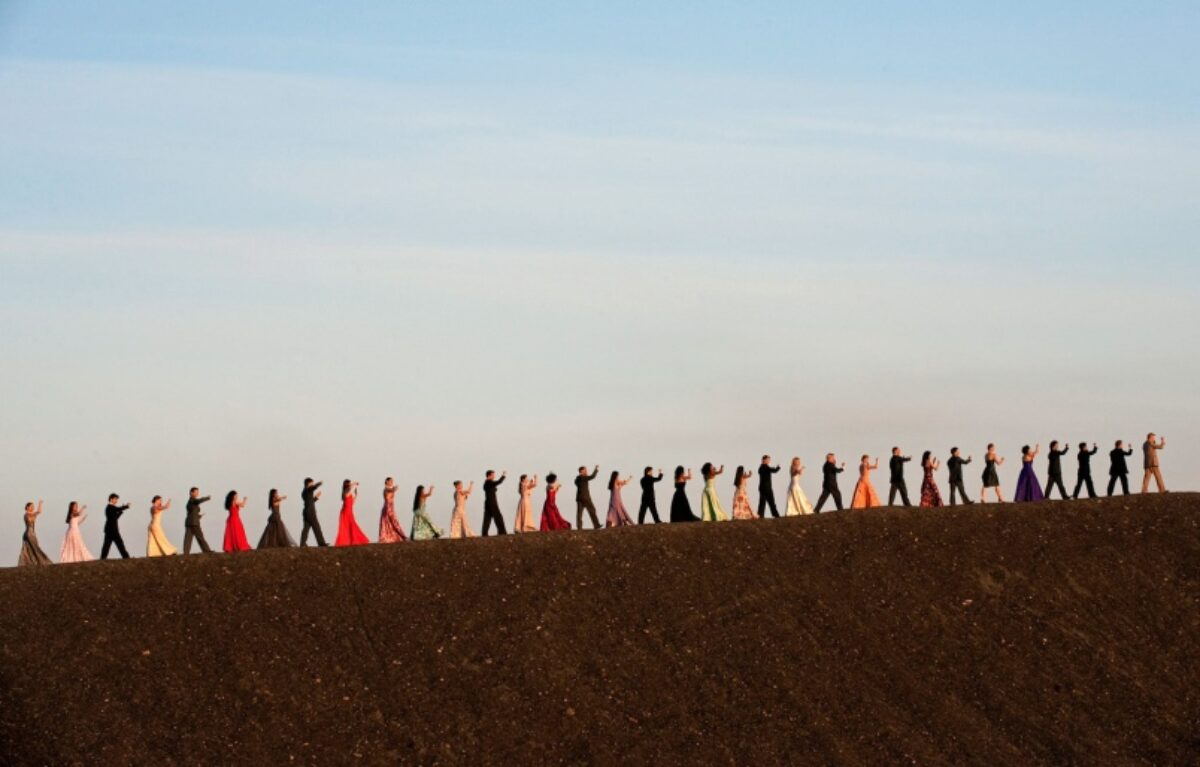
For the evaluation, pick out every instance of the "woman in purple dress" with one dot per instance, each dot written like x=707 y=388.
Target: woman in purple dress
x=1028 y=487
x=617 y=515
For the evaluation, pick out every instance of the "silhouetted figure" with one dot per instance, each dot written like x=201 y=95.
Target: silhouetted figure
x=955 y=465
x=1054 y=475
x=491 y=505
x=829 y=483
x=112 y=528
x=583 y=498
x=1150 y=450
x=191 y=522
x=1084 y=477
x=1118 y=470
x=649 y=502
x=310 y=495
x=896 y=482
x=766 y=489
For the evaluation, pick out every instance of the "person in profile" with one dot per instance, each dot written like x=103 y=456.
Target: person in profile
x=235 y=531
x=931 y=497
x=711 y=509
x=766 y=488
x=31 y=551
x=991 y=477
x=491 y=504
x=1084 y=475
x=523 y=523
x=1118 y=469
x=617 y=515
x=157 y=544
x=897 y=485
x=681 y=507
x=1150 y=450
x=865 y=496
x=649 y=502
x=275 y=535
x=741 y=496
x=310 y=495
x=349 y=533
x=583 y=498
x=1029 y=490
x=798 y=503
x=1054 y=475
x=459 y=526
x=955 y=466
x=829 y=483
x=191 y=522
x=423 y=528
x=390 y=529
x=112 y=527
x=73 y=548
x=552 y=518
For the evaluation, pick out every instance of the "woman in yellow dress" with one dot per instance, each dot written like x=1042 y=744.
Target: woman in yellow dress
x=157 y=544
x=865 y=496
x=710 y=505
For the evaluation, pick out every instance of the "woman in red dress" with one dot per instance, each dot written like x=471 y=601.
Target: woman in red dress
x=389 y=527
x=349 y=533
x=235 y=533
x=551 y=519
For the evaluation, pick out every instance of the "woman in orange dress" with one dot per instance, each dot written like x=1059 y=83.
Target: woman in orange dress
x=865 y=496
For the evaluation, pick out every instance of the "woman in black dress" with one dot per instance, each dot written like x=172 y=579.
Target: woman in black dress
x=276 y=535
x=681 y=507
x=991 y=478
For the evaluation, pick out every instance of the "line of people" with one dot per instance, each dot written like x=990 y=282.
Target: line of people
x=276 y=534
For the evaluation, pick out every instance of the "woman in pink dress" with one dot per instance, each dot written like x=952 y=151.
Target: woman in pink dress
x=617 y=514
x=551 y=519
x=389 y=527
x=524 y=521
x=73 y=548
x=741 y=499
x=235 y=533
x=865 y=496
x=349 y=533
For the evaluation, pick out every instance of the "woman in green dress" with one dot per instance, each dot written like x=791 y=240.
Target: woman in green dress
x=710 y=504
x=423 y=528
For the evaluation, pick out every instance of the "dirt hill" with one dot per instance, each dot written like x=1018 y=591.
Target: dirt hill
x=1000 y=635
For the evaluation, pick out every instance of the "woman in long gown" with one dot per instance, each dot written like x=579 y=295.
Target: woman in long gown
x=741 y=499
x=931 y=497
x=991 y=478
x=681 y=507
x=275 y=535
x=551 y=518
x=390 y=530
x=1028 y=487
x=459 y=526
x=157 y=544
x=31 y=550
x=617 y=515
x=235 y=532
x=710 y=505
x=349 y=533
x=798 y=502
x=73 y=548
x=423 y=528
x=524 y=520
x=865 y=496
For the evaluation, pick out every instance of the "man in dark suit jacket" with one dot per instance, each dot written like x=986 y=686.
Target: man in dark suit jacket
x=829 y=484
x=583 y=498
x=1084 y=477
x=955 y=465
x=112 y=529
x=310 y=494
x=1054 y=477
x=491 y=506
x=649 y=503
x=766 y=491
x=191 y=524
x=898 y=485
x=1118 y=470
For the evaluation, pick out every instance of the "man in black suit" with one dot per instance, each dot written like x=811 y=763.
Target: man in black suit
x=191 y=524
x=898 y=485
x=491 y=506
x=955 y=465
x=649 y=503
x=112 y=530
x=310 y=495
x=583 y=498
x=766 y=492
x=1118 y=470
x=1085 y=470
x=829 y=485
x=1054 y=472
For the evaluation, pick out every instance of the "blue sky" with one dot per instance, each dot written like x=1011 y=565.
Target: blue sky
x=240 y=245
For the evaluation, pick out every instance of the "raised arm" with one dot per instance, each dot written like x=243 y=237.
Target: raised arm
x=595 y=472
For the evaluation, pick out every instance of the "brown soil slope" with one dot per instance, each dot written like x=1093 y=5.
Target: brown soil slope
x=1044 y=634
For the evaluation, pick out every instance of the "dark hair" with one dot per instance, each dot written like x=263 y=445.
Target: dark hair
x=953 y=450
x=737 y=477
x=193 y=490
x=648 y=470
x=1083 y=446
x=489 y=471
x=706 y=469
x=521 y=481
x=612 y=480
x=417 y=497
x=991 y=445
x=926 y=456
x=678 y=472
x=1053 y=444
x=583 y=468
x=387 y=480
x=345 y=486
x=1025 y=450
x=766 y=457
x=895 y=449
x=272 y=499
x=155 y=499
x=308 y=481
x=112 y=497
x=551 y=478
x=229 y=500
x=70 y=510
x=29 y=506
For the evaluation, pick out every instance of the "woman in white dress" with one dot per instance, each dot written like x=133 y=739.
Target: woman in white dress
x=73 y=548
x=798 y=502
x=524 y=522
x=459 y=527
x=157 y=544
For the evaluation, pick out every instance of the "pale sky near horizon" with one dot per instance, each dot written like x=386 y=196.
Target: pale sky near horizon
x=241 y=245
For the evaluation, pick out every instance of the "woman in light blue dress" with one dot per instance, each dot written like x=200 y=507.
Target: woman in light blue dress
x=423 y=528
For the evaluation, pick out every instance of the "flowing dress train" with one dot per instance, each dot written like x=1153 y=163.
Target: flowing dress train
x=157 y=544
x=710 y=505
x=31 y=550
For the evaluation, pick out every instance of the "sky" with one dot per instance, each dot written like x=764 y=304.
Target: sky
x=241 y=244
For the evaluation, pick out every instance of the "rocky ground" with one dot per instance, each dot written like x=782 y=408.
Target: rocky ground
x=1063 y=633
